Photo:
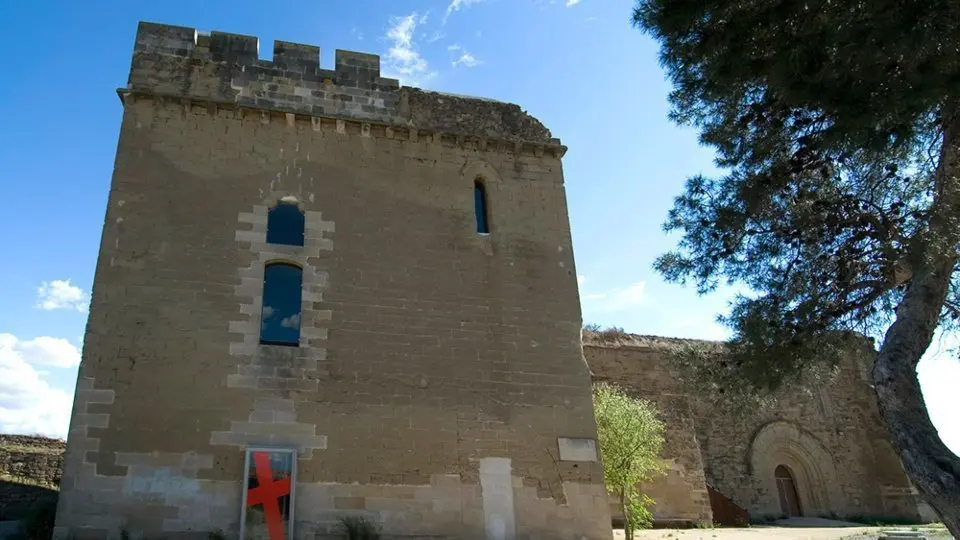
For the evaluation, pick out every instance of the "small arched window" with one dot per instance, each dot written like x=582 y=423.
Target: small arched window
x=280 y=318
x=285 y=223
x=480 y=207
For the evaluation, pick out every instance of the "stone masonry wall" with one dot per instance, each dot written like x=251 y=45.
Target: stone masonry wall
x=178 y=62
x=832 y=440
x=30 y=468
x=438 y=371
x=681 y=494
x=35 y=459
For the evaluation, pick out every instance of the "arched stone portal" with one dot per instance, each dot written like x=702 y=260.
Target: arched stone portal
x=781 y=450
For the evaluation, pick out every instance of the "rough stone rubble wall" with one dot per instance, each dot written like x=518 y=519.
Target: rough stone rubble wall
x=681 y=494
x=832 y=440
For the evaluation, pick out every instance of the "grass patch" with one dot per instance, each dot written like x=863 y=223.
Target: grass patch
x=358 y=528
x=10 y=446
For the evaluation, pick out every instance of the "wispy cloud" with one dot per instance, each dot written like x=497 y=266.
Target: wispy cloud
x=618 y=299
x=435 y=36
x=61 y=294
x=355 y=32
x=581 y=279
x=292 y=321
x=402 y=58
x=463 y=57
x=572 y=2
x=456 y=5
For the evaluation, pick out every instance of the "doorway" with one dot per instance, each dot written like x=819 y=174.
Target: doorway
x=787 y=489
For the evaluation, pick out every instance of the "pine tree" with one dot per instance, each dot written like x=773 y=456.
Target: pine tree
x=837 y=126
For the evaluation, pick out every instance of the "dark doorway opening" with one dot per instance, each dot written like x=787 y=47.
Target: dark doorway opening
x=787 y=489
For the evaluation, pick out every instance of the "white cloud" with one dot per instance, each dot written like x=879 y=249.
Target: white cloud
x=465 y=58
x=61 y=294
x=572 y=2
x=266 y=313
x=47 y=351
x=590 y=19
x=28 y=404
x=618 y=299
x=355 y=32
x=455 y=5
x=581 y=279
x=435 y=36
x=402 y=57
x=632 y=295
x=292 y=321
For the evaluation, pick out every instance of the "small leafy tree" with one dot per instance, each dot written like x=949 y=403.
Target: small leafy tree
x=837 y=126
x=631 y=437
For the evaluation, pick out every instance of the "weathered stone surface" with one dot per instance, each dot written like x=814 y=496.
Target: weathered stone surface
x=832 y=440
x=425 y=348
x=224 y=68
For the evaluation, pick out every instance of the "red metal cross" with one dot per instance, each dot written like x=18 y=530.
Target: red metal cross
x=268 y=493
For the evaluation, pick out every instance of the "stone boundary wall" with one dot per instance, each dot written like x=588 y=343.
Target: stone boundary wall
x=681 y=493
x=35 y=459
x=831 y=437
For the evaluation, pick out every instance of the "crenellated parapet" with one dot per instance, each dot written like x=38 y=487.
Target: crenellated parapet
x=225 y=69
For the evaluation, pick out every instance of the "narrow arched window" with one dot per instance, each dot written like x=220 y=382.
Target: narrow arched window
x=280 y=318
x=480 y=207
x=285 y=224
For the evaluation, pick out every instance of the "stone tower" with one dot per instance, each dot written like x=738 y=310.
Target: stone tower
x=321 y=295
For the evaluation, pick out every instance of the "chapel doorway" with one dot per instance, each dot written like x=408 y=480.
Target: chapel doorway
x=787 y=489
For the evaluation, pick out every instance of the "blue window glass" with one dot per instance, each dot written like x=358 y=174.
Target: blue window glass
x=280 y=319
x=480 y=207
x=285 y=225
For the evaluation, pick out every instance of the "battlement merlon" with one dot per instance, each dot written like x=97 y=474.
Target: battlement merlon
x=179 y=62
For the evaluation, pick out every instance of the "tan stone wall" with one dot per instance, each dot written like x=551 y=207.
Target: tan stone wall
x=436 y=370
x=832 y=440
x=681 y=493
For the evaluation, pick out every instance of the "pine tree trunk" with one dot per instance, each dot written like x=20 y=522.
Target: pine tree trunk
x=932 y=468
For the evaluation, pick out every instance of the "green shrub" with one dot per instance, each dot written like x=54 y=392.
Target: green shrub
x=358 y=528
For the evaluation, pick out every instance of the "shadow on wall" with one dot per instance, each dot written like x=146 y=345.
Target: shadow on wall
x=18 y=500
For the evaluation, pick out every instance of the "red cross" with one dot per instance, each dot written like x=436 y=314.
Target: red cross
x=268 y=493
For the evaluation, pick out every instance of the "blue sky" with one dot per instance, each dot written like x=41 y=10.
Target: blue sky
x=577 y=65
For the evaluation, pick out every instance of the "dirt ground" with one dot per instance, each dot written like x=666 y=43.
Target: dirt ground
x=794 y=529
x=755 y=533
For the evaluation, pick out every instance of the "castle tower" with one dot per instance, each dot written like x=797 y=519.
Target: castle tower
x=321 y=295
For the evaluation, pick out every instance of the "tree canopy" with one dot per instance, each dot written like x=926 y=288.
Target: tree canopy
x=837 y=127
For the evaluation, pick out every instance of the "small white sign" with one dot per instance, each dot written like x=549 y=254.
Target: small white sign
x=577 y=449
